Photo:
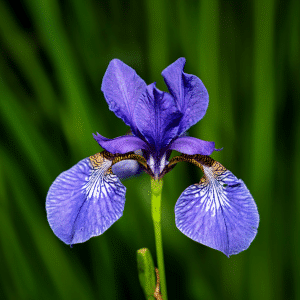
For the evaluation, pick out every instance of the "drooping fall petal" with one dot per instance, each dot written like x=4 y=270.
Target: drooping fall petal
x=85 y=200
x=218 y=212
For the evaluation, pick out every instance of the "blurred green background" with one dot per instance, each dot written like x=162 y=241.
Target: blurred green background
x=53 y=57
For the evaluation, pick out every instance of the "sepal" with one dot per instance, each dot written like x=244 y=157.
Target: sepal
x=218 y=212
x=85 y=200
x=127 y=168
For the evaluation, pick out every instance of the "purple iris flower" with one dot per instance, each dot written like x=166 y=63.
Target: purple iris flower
x=87 y=199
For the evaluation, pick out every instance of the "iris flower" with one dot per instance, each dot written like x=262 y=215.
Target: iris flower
x=87 y=199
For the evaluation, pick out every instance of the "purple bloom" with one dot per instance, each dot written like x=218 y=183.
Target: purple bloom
x=84 y=201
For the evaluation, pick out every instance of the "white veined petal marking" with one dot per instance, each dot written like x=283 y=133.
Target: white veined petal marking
x=214 y=177
x=219 y=211
x=85 y=200
x=151 y=163
x=96 y=186
x=163 y=162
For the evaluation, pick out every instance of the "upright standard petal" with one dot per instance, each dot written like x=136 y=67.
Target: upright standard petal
x=157 y=117
x=189 y=92
x=218 y=212
x=85 y=200
x=121 y=144
x=122 y=87
x=190 y=145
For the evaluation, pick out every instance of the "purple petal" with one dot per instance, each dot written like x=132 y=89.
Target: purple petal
x=84 y=201
x=219 y=212
x=157 y=117
x=190 y=145
x=127 y=168
x=189 y=92
x=121 y=144
x=122 y=87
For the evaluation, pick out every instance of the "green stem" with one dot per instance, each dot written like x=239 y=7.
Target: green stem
x=156 y=188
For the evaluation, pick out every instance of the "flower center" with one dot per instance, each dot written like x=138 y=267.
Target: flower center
x=157 y=165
